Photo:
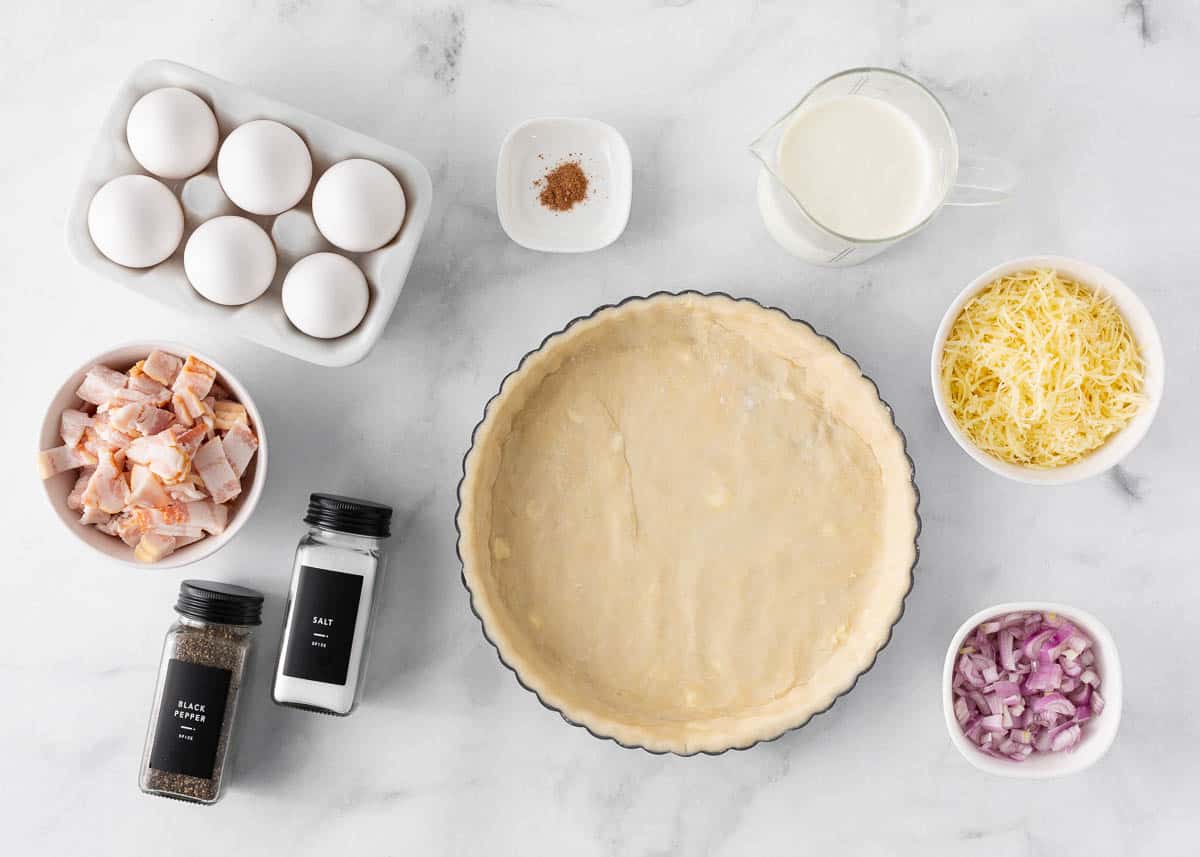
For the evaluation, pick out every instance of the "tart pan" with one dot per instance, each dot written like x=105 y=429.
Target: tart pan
x=473 y=596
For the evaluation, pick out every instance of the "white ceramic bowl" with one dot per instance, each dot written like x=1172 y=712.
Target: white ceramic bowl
x=1098 y=733
x=1144 y=332
x=59 y=486
x=536 y=147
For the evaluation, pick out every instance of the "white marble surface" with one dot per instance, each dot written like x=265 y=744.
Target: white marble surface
x=1094 y=100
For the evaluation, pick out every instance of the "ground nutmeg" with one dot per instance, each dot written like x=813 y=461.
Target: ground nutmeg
x=563 y=186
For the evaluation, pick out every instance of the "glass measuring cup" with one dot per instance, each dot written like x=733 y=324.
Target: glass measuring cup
x=978 y=181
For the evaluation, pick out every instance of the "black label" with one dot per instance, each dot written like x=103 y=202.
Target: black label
x=322 y=625
x=189 y=719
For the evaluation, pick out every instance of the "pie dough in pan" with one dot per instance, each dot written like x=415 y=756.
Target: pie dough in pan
x=688 y=523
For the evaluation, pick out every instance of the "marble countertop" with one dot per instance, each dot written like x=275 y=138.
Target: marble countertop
x=1093 y=101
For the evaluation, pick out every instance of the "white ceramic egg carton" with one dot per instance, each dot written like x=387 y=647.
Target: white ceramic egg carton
x=262 y=320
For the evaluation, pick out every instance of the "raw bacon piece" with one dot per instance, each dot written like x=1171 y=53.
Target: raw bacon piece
x=109 y=527
x=122 y=418
x=52 y=461
x=188 y=519
x=239 y=444
x=75 y=498
x=209 y=516
x=187 y=490
x=219 y=393
x=107 y=489
x=142 y=383
x=188 y=407
x=146 y=490
x=140 y=418
x=208 y=418
x=152 y=420
x=132 y=524
x=184 y=541
x=191 y=439
x=162 y=367
x=100 y=384
x=196 y=377
x=163 y=454
x=214 y=468
x=94 y=516
x=227 y=414
x=71 y=426
x=123 y=397
x=152 y=547
x=108 y=433
x=91 y=446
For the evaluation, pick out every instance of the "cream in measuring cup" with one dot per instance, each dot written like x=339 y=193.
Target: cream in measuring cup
x=865 y=159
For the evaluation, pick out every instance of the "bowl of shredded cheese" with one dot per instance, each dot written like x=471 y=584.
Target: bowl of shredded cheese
x=1047 y=370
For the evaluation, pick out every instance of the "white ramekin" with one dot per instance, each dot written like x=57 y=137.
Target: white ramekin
x=59 y=486
x=1098 y=733
x=1144 y=332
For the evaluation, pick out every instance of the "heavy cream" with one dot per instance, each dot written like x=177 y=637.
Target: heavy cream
x=859 y=166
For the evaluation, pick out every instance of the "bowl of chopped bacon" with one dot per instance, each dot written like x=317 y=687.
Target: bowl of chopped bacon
x=153 y=454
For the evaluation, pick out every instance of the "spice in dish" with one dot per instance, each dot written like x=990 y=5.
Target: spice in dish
x=563 y=186
x=1026 y=683
x=1041 y=371
x=161 y=452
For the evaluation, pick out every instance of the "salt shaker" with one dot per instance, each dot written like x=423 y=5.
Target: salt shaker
x=199 y=679
x=327 y=622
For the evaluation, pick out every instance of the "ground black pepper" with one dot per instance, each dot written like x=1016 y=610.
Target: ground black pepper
x=200 y=678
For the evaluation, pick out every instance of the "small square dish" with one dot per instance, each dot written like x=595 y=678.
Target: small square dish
x=535 y=148
x=1099 y=732
x=261 y=320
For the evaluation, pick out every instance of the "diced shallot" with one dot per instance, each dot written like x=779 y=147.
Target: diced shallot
x=1025 y=683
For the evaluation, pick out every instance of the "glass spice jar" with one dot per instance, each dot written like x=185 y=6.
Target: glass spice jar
x=330 y=610
x=195 y=701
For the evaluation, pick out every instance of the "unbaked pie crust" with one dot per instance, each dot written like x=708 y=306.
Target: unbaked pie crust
x=688 y=523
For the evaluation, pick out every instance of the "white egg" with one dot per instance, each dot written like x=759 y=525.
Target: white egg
x=358 y=205
x=325 y=295
x=135 y=221
x=264 y=167
x=229 y=260
x=172 y=132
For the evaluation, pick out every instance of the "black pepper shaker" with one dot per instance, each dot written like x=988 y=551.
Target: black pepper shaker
x=195 y=701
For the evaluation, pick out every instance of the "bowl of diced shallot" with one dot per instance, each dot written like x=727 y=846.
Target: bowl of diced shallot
x=1032 y=689
x=153 y=454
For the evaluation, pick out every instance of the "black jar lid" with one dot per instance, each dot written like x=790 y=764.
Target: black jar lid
x=348 y=515
x=224 y=603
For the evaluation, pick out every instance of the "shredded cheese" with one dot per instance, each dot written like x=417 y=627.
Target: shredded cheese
x=1041 y=371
